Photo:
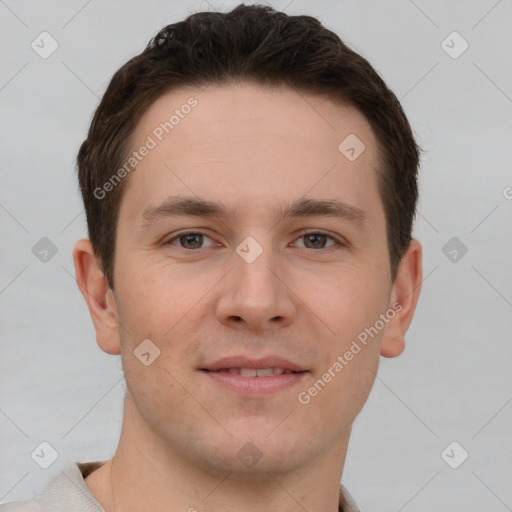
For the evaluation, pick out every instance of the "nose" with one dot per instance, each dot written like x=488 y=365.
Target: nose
x=255 y=295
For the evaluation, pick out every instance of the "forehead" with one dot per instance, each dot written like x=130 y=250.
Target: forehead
x=223 y=142
x=279 y=110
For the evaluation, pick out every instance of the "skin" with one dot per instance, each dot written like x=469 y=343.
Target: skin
x=252 y=149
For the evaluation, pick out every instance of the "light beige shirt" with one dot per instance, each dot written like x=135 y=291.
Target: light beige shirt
x=68 y=492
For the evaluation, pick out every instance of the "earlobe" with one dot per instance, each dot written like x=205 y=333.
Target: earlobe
x=99 y=297
x=405 y=294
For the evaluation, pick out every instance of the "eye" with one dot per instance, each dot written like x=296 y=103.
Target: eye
x=194 y=240
x=318 y=240
x=190 y=240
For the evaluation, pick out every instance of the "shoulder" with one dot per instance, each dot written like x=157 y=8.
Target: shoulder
x=21 y=506
x=66 y=492
x=347 y=503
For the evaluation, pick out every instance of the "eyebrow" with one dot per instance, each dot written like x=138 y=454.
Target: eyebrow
x=176 y=206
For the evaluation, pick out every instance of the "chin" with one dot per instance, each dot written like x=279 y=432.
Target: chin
x=259 y=454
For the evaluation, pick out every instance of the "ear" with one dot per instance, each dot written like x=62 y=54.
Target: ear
x=403 y=300
x=98 y=296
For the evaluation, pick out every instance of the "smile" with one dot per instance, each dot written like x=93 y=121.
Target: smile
x=255 y=372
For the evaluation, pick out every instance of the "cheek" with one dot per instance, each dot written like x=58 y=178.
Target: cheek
x=350 y=307
x=152 y=297
x=151 y=313
x=161 y=304
x=336 y=393
x=347 y=302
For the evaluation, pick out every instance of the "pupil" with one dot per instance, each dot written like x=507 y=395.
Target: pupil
x=189 y=239
x=314 y=238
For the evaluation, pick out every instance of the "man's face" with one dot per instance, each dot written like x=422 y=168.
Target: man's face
x=274 y=292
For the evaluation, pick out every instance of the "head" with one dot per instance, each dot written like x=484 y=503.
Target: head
x=210 y=175
x=252 y=44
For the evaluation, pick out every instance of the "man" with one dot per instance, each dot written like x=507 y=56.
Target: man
x=250 y=188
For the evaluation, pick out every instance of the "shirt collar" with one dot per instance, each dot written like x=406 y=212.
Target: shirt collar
x=72 y=479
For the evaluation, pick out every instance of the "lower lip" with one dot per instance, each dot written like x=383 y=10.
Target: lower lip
x=254 y=386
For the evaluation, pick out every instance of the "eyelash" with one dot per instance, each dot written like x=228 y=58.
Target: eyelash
x=337 y=241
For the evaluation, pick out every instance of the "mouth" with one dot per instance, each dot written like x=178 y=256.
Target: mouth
x=254 y=372
x=254 y=377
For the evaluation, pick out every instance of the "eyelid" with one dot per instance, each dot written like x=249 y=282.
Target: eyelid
x=299 y=234
x=175 y=236
x=309 y=231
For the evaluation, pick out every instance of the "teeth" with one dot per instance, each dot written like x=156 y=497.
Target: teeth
x=266 y=372
x=256 y=372
x=248 y=372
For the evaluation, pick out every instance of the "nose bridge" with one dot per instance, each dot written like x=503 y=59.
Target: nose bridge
x=255 y=281
x=254 y=294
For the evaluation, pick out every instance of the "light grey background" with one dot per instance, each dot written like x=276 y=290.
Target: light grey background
x=453 y=382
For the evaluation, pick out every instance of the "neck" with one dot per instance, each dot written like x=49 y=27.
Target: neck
x=145 y=473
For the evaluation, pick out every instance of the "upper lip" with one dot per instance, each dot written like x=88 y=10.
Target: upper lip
x=246 y=362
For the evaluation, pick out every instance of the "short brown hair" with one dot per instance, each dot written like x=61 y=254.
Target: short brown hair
x=251 y=43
